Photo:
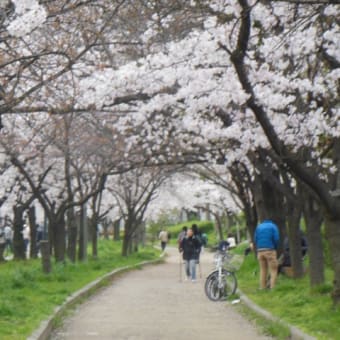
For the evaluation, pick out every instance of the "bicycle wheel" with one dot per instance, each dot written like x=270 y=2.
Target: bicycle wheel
x=216 y=289
x=230 y=282
x=212 y=291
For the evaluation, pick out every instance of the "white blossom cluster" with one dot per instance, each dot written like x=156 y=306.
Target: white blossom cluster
x=29 y=14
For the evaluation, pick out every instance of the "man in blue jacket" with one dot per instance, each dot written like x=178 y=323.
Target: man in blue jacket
x=266 y=239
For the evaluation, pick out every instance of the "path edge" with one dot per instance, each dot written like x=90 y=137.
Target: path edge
x=43 y=332
x=295 y=333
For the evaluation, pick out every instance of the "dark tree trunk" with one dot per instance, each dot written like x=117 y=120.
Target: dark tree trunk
x=218 y=226
x=57 y=227
x=125 y=247
x=135 y=242
x=18 y=240
x=270 y=205
x=94 y=235
x=314 y=217
x=106 y=229
x=45 y=256
x=2 y=250
x=72 y=234
x=294 y=237
x=251 y=221
x=333 y=237
x=127 y=239
x=33 y=233
x=82 y=248
x=116 y=230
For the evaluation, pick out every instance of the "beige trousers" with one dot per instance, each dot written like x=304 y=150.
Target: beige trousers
x=268 y=264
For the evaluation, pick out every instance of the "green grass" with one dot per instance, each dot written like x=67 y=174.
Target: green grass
x=274 y=329
x=28 y=296
x=293 y=301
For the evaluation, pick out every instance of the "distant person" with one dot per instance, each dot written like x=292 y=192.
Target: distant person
x=26 y=236
x=223 y=245
x=204 y=240
x=181 y=235
x=198 y=235
x=232 y=241
x=285 y=259
x=164 y=238
x=2 y=244
x=8 y=239
x=40 y=235
x=266 y=240
x=190 y=248
x=249 y=249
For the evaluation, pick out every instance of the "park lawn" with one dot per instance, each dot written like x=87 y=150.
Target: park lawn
x=293 y=301
x=28 y=296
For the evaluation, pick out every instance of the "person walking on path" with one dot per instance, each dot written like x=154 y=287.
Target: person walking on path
x=2 y=244
x=181 y=235
x=164 y=238
x=8 y=239
x=190 y=247
x=26 y=237
x=266 y=239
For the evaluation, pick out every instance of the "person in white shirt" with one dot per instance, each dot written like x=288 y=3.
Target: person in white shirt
x=8 y=238
x=164 y=238
x=26 y=236
x=231 y=240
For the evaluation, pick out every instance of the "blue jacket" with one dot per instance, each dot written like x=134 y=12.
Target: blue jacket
x=266 y=235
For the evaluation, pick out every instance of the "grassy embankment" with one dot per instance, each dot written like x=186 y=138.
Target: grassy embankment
x=293 y=302
x=28 y=296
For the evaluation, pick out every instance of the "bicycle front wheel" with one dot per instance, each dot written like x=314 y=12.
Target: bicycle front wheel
x=211 y=287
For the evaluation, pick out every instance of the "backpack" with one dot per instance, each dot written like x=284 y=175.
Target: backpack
x=204 y=239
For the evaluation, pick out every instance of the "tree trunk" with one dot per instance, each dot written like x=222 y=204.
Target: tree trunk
x=94 y=235
x=314 y=217
x=116 y=230
x=18 y=240
x=45 y=256
x=251 y=221
x=72 y=234
x=333 y=237
x=59 y=238
x=82 y=249
x=33 y=232
x=2 y=250
x=126 y=245
x=294 y=237
x=270 y=205
x=126 y=248
x=218 y=226
x=106 y=229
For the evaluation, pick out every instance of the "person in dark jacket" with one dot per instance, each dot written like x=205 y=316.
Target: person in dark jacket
x=190 y=248
x=266 y=239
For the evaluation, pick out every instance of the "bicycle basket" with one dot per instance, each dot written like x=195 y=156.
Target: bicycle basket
x=233 y=262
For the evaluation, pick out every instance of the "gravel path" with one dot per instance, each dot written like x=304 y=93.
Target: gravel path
x=152 y=304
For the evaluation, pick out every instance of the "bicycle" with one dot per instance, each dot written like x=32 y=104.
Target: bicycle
x=222 y=281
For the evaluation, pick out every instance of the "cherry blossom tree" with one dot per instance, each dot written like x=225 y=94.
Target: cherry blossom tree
x=133 y=193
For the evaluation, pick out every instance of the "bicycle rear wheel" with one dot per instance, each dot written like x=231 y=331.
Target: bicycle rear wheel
x=216 y=289
x=230 y=281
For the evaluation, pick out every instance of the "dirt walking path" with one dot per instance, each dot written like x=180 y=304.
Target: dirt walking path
x=152 y=304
